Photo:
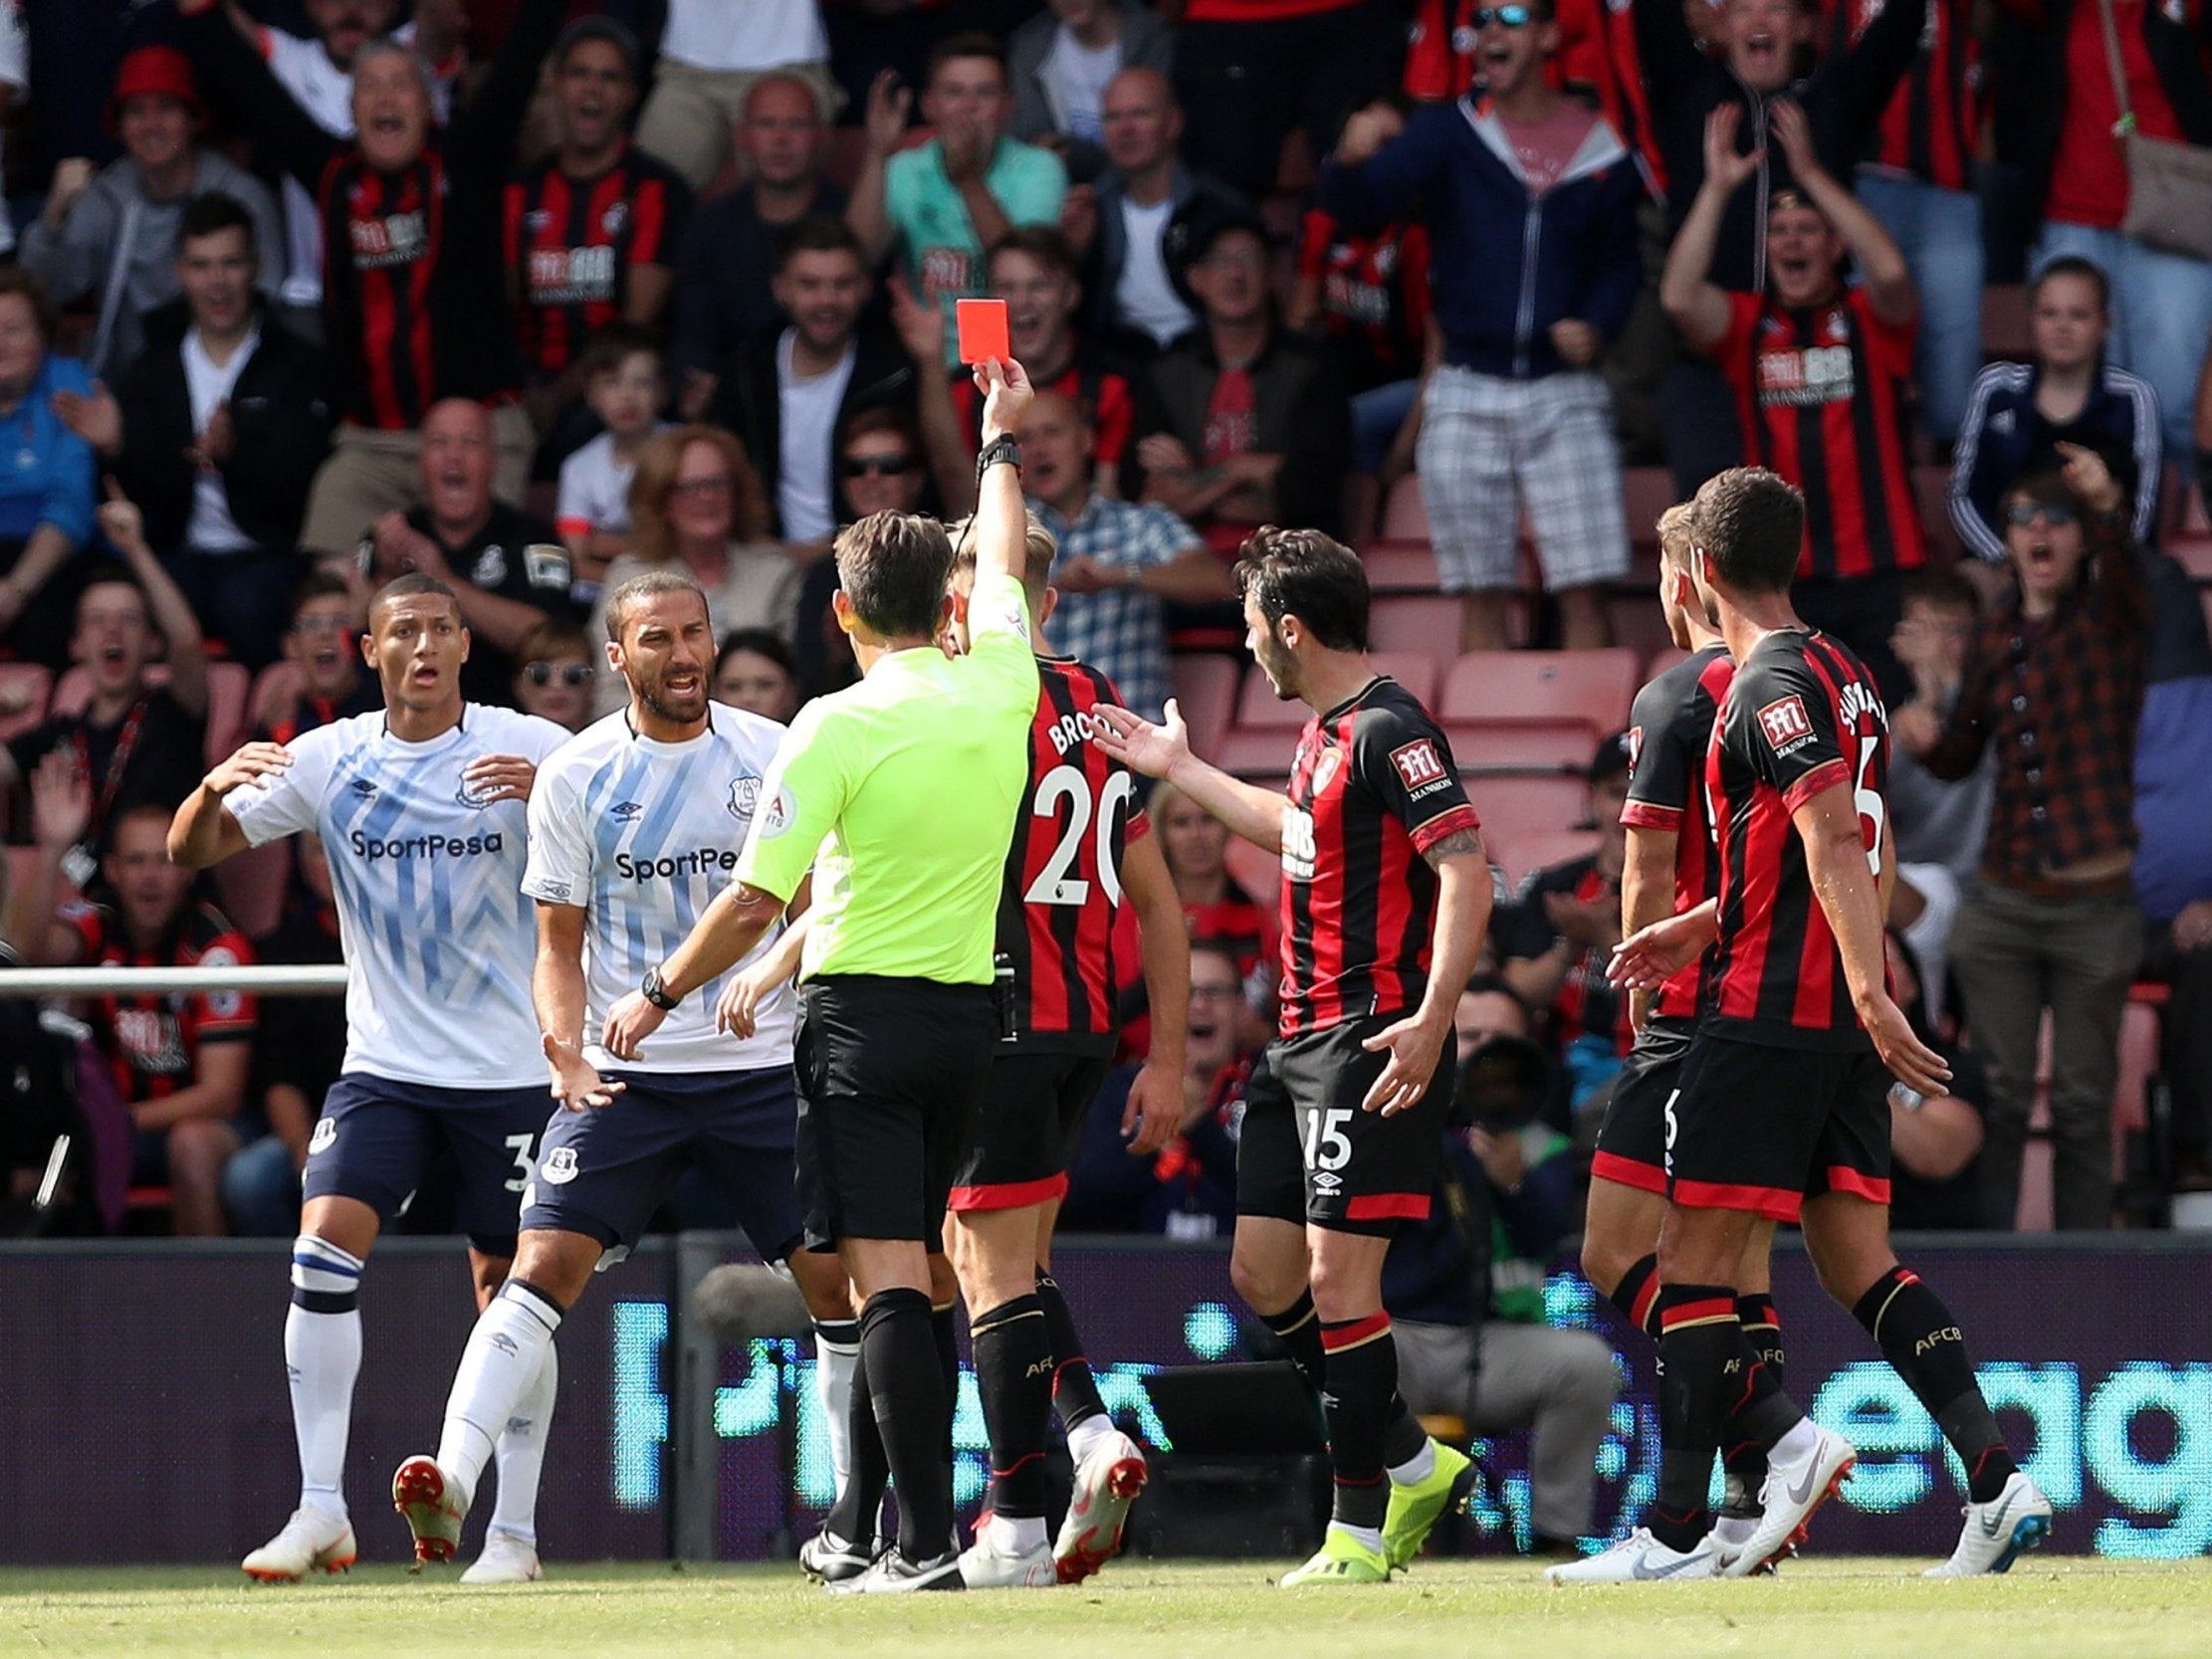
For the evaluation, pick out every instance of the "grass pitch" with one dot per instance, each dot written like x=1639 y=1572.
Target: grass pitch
x=2064 y=1607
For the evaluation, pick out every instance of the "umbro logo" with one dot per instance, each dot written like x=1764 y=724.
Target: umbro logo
x=363 y=787
x=626 y=810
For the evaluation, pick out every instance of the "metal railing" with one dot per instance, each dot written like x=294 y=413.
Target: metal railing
x=263 y=979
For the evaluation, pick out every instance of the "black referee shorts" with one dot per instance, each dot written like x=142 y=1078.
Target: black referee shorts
x=891 y=1073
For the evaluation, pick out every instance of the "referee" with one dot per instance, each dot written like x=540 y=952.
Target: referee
x=903 y=791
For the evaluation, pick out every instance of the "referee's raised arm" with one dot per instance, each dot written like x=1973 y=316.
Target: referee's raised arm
x=1002 y=519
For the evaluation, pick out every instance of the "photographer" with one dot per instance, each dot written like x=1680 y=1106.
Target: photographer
x=1465 y=1289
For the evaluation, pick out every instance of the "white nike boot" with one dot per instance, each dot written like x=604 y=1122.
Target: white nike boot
x=1999 y=1532
x=313 y=1541
x=1804 y=1471
x=1640 y=1559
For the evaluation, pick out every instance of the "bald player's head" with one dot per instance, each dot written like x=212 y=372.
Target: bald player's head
x=1141 y=119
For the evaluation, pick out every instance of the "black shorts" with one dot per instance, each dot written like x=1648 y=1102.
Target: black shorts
x=602 y=1172
x=1026 y=1133
x=1632 y=1142
x=378 y=1137
x=1363 y=1173
x=1270 y=1172
x=1762 y=1129
x=891 y=1075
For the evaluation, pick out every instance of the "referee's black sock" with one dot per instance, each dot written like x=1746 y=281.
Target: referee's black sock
x=907 y=1391
x=1925 y=1346
x=1363 y=1380
x=1741 y=1451
x=1013 y=1370
x=1075 y=1393
x=857 y=1516
x=1298 y=1329
x=1637 y=1297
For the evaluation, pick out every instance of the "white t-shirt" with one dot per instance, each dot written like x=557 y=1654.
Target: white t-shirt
x=807 y=425
x=1077 y=75
x=1143 y=297
x=325 y=93
x=728 y=35
x=641 y=835
x=595 y=489
x=438 y=937
x=15 y=74
x=211 y=528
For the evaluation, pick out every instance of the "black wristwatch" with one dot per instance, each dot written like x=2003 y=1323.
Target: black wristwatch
x=655 y=992
x=1001 y=447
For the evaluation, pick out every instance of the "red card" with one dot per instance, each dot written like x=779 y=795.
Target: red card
x=982 y=329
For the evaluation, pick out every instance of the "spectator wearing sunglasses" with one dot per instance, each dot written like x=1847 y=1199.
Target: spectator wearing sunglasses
x=2053 y=684
x=555 y=678
x=880 y=468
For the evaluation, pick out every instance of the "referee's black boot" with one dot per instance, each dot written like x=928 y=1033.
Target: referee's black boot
x=894 y=1574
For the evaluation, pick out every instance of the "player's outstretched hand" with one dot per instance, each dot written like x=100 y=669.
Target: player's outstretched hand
x=1651 y=957
x=575 y=1085
x=1910 y=1060
x=500 y=777
x=244 y=765
x=1414 y=1050
x=739 y=1006
x=1154 y=1112
x=629 y=1022
x=1139 y=745
x=1007 y=396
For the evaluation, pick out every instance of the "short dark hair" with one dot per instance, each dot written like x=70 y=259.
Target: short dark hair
x=615 y=344
x=596 y=28
x=646 y=585
x=882 y=417
x=557 y=636
x=760 y=642
x=412 y=586
x=211 y=212
x=1043 y=243
x=817 y=233
x=318 y=583
x=45 y=314
x=1311 y=576
x=971 y=43
x=2074 y=265
x=1751 y=525
x=1943 y=587
x=893 y=567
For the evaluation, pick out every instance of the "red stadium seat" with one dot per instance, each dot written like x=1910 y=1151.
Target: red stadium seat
x=1418 y=672
x=1399 y=566
x=1404 y=518
x=1521 y=747
x=1421 y=627
x=1522 y=856
x=23 y=690
x=1257 y=753
x=1638 y=624
x=227 y=685
x=1510 y=807
x=1662 y=660
x=1549 y=686
x=1258 y=708
x=1645 y=493
x=1205 y=689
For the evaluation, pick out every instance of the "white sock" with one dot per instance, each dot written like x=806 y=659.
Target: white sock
x=521 y=1453
x=836 y=1357
x=504 y=1354
x=1372 y=1537
x=1087 y=1436
x=1796 y=1445
x=1416 y=1468
x=323 y=1356
x=1017 y=1535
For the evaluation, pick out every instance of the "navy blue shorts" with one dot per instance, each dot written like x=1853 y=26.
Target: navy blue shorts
x=376 y=1138
x=603 y=1172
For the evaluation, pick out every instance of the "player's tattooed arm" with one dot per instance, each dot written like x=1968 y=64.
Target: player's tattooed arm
x=1416 y=1044
x=1459 y=844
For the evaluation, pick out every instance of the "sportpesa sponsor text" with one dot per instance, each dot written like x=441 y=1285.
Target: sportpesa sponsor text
x=702 y=861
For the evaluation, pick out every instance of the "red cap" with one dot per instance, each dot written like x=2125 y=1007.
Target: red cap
x=154 y=72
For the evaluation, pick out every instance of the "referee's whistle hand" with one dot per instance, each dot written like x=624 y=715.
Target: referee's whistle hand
x=1413 y=1051
x=629 y=1022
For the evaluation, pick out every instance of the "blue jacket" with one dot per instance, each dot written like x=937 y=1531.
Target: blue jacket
x=2002 y=437
x=1504 y=265
x=45 y=470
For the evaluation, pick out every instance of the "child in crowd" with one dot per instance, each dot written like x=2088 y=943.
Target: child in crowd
x=625 y=383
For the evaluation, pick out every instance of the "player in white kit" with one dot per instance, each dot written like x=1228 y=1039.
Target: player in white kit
x=420 y=808
x=634 y=827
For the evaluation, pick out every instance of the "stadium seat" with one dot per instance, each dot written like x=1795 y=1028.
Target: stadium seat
x=1662 y=660
x=1522 y=746
x=1254 y=869
x=1521 y=855
x=1638 y=624
x=1258 y=754
x=1546 y=686
x=1258 y=708
x=23 y=691
x=1645 y=493
x=1205 y=689
x=250 y=887
x=1399 y=566
x=1404 y=518
x=1416 y=672
x=1422 y=627
x=227 y=685
x=1511 y=808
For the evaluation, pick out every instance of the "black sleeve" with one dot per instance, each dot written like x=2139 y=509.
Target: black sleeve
x=1309 y=489
x=1402 y=760
x=1783 y=727
x=1860 y=83
x=483 y=135
x=282 y=431
x=1668 y=733
x=240 y=82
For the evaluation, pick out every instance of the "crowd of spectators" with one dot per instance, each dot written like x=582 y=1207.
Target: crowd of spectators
x=297 y=295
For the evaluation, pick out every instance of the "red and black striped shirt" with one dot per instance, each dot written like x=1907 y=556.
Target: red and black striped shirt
x=1670 y=729
x=152 y=1043
x=570 y=245
x=1800 y=717
x=1062 y=891
x=1373 y=787
x=1928 y=130
x=1820 y=395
